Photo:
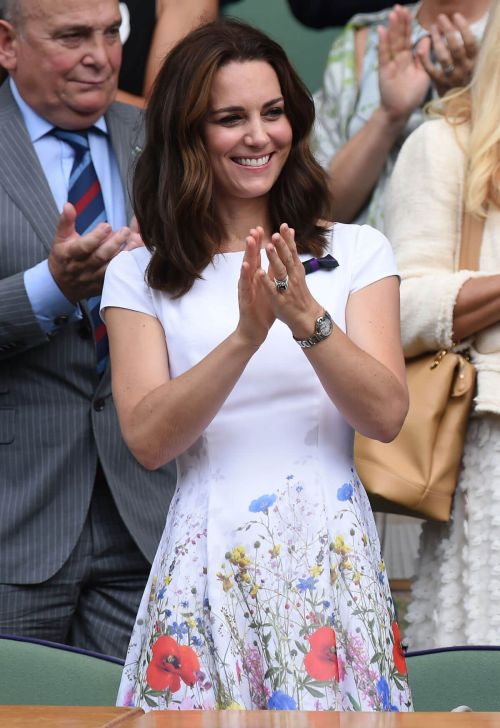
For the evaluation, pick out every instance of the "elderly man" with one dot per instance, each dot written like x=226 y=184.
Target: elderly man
x=80 y=518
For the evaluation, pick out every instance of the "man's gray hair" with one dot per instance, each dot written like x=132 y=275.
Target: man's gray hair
x=10 y=10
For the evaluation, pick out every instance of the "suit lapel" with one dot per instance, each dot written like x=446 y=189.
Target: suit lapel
x=21 y=173
x=126 y=140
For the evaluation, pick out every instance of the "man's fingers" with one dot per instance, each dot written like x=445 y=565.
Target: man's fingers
x=66 y=224
x=110 y=245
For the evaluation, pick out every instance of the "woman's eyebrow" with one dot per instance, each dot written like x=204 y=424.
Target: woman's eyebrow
x=241 y=108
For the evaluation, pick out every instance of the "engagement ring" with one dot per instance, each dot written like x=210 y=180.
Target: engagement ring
x=281 y=283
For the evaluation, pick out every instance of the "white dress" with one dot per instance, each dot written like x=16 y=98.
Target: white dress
x=268 y=589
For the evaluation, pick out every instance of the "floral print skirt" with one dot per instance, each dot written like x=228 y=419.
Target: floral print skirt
x=276 y=600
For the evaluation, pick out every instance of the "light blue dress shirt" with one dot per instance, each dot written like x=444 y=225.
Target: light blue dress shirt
x=56 y=157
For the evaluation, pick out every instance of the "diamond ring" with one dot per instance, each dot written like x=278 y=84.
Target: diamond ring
x=281 y=283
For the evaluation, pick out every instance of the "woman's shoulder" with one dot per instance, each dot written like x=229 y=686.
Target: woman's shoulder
x=130 y=263
x=438 y=135
x=352 y=243
x=346 y=235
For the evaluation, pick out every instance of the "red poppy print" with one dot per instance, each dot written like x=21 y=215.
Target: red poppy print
x=397 y=651
x=170 y=664
x=321 y=662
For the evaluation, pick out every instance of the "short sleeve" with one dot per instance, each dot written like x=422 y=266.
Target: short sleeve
x=373 y=258
x=125 y=285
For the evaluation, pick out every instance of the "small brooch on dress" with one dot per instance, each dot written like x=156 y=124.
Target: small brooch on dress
x=328 y=262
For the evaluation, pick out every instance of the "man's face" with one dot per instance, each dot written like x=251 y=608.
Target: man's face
x=65 y=58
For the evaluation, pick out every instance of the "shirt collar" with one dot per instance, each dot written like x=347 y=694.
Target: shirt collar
x=36 y=125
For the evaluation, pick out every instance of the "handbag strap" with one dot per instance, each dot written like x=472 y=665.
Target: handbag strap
x=470 y=244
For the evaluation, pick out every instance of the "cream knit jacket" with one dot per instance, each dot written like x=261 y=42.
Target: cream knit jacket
x=423 y=223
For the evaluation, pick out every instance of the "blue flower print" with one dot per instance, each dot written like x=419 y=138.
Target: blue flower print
x=161 y=592
x=345 y=492
x=179 y=630
x=305 y=584
x=383 y=691
x=281 y=701
x=262 y=504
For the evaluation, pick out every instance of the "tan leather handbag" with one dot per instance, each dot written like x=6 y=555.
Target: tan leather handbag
x=417 y=473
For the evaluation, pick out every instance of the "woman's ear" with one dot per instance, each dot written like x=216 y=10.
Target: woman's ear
x=8 y=45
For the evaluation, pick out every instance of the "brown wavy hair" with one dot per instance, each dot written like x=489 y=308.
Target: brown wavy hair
x=173 y=182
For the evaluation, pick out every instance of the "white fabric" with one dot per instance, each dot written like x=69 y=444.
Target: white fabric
x=269 y=517
x=456 y=597
x=423 y=223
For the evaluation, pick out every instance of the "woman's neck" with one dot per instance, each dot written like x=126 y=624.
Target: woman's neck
x=472 y=10
x=238 y=219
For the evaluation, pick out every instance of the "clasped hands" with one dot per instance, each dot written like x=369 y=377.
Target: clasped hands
x=77 y=263
x=260 y=302
x=405 y=74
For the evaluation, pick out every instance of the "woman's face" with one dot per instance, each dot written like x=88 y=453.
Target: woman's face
x=247 y=134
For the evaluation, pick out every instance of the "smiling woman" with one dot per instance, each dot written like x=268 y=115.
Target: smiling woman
x=268 y=590
x=248 y=142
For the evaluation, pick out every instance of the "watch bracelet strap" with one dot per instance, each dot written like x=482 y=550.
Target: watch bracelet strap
x=310 y=341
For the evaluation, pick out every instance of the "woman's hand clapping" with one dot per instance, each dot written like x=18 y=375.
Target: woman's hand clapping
x=256 y=315
x=261 y=303
x=295 y=306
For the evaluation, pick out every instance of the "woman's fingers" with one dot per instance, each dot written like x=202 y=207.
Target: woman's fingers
x=288 y=235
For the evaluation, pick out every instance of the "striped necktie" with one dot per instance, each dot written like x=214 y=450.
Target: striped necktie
x=85 y=194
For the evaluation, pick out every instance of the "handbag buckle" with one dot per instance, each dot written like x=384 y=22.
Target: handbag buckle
x=439 y=357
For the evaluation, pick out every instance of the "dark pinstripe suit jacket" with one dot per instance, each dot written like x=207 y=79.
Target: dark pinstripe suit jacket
x=55 y=414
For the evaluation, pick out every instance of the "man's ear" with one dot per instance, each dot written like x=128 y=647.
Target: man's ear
x=8 y=51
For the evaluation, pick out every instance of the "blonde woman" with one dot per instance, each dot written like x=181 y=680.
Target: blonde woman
x=448 y=162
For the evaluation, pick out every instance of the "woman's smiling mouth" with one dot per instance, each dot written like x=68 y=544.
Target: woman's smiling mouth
x=252 y=161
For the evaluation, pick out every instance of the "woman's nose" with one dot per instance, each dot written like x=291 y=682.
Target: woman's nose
x=256 y=134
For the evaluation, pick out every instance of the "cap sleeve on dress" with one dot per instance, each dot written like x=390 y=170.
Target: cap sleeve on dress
x=373 y=258
x=125 y=285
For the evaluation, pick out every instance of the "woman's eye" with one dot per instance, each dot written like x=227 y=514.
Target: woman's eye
x=230 y=120
x=275 y=111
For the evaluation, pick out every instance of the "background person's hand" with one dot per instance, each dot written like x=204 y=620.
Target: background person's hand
x=78 y=262
x=403 y=81
x=455 y=51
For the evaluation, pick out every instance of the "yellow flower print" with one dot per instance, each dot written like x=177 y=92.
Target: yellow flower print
x=346 y=564
x=333 y=576
x=239 y=558
x=340 y=546
x=254 y=590
x=167 y=580
x=245 y=576
x=357 y=578
x=227 y=582
x=316 y=570
x=381 y=566
x=275 y=551
x=235 y=706
x=191 y=623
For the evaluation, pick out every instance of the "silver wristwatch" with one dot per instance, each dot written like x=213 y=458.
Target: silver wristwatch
x=323 y=327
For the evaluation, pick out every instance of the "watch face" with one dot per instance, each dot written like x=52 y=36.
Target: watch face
x=324 y=326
